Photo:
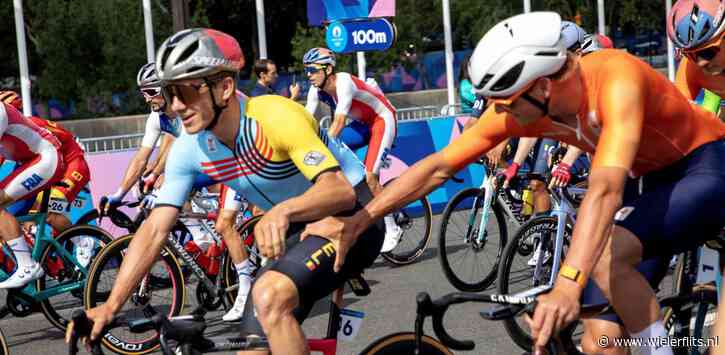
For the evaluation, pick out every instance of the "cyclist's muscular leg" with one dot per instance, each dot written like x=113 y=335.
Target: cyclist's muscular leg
x=373 y=181
x=542 y=202
x=595 y=331
x=275 y=298
x=225 y=227
x=629 y=292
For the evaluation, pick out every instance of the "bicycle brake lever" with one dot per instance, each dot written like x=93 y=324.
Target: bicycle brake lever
x=82 y=328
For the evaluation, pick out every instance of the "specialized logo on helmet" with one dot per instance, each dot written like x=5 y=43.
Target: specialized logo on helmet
x=211 y=61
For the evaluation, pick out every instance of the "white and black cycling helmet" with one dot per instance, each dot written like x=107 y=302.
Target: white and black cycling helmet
x=515 y=52
x=198 y=53
x=319 y=55
x=147 y=77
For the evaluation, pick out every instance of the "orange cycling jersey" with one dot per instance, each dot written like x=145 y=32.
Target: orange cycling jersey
x=68 y=145
x=690 y=80
x=626 y=103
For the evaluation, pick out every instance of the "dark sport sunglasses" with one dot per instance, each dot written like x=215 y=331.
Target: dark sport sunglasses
x=706 y=53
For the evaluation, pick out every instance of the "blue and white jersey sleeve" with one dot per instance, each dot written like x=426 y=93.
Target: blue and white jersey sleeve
x=152 y=130
x=313 y=100
x=345 y=92
x=181 y=171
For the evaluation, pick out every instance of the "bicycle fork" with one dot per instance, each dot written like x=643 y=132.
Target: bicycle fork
x=487 y=196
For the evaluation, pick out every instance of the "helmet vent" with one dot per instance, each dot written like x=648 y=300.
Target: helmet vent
x=484 y=81
x=549 y=54
x=509 y=79
x=705 y=30
x=188 y=52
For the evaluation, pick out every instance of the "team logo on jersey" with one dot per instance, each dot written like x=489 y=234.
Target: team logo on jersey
x=32 y=182
x=211 y=144
x=314 y=158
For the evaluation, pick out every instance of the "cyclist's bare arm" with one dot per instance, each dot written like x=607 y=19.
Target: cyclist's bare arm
x=572 y=154
x=524 y=148
x=135 y=168
x=434 y=170
x=160 y=162
x=615 y=154
x=142 y=252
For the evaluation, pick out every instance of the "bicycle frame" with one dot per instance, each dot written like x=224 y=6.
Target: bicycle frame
x=42 y=239
x=564 y=213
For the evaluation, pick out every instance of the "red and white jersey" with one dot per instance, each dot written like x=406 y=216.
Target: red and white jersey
x=20 y=139
x=353 y=98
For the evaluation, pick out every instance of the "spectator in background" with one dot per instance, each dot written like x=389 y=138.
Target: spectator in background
x=266 y=72
x=465 y=89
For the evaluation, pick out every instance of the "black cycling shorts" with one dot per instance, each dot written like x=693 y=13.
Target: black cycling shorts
x=671 y=211
x=309 y=264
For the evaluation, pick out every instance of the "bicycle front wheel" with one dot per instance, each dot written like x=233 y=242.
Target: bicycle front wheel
x=468 y=255
x=527 y=263
x=64 y=278
x=416 y=221
x=404 y=344
x=167 y=300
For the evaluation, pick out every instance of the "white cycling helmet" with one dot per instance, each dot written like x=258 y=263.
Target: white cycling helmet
x=515 y=52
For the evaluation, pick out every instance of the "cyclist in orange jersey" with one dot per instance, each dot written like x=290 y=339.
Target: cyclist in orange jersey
x=696 y=28
x=656 y=185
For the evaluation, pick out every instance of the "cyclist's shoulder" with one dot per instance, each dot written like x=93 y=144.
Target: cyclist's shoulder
x=279 y=115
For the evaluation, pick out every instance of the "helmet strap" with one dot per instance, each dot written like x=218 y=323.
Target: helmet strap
x=217 y=109
x=543 y=106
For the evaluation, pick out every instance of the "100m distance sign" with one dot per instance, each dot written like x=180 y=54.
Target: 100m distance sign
x=360 y=36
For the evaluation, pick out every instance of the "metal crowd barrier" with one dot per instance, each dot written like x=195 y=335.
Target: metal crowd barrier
x=112 y=143
x=133 y=141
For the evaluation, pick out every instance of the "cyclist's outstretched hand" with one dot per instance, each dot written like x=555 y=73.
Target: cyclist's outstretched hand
x=99 y=317
x=271 y=231
x=554 y=311
x=341 y=231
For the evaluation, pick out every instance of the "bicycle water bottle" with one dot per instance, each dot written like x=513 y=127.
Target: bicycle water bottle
x=214 y=254
x=197 y=254
x=528 y=198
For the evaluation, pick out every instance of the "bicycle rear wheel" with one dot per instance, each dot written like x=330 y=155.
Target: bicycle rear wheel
x=165 y=300
x=416 y=221
x=515 y=273
x=470 y=263
x=403 y=343
x=61 y=273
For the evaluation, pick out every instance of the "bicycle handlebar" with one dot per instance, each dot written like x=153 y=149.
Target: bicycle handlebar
x=512 y=306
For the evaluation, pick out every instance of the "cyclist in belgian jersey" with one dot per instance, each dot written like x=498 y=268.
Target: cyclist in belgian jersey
x=39 y=165
x=373 y=123
x=634 y=122
x=269 y=149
